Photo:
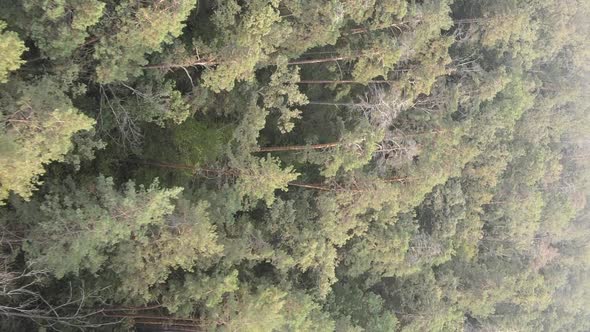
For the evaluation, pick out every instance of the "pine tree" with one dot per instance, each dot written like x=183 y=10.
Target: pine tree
x=38 y=123
x=12 y=48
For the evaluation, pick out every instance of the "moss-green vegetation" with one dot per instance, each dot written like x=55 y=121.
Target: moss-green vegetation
x=294 y=165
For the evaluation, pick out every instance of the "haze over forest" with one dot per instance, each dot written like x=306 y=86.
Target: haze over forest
x=295 y=165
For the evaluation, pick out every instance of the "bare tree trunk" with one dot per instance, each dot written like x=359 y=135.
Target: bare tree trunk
x=207 y=63
x=321 y=187
x=297 y=147
x=471 y=20
x=323 y=60
x=327 y=103
x=215 y=171
x=309 y=186
x=400 y=179
x=344 y=81
x=314 y=186
x=204 y=63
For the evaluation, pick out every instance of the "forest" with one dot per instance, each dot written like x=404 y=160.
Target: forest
x=295 y=165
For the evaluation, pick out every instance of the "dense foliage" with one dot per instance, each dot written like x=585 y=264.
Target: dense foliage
x=295 y=165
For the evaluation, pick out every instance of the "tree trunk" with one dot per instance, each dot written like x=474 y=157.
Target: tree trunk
x=344 y=81
x=226 y=172
x=204 y=63
x=314 y=186
x=327 y=103
x=309 y=186
x=297 y=147
x=323 y=60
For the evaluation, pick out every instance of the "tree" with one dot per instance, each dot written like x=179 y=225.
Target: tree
x=134 y=31
x=282 y=93
x=121 y=234
x=38 y=123
x=354 y=150
x=12 y=48
x=258 y=178
x=283 y=311
x=367 y=310
x=58 y=28
x=243 y=42
x=375 y=165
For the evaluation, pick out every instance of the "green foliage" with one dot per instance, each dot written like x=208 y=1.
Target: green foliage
x=282 y=93
x=258 y=178
x=312 y=24
x=383 y=249
x=60 y=27
x=362 y=309
x=12 y=48
x=375 y=165
x=380 y=57
x=198 y=290
x=158 y=102
x=282 y=312
x=134 y=31
x=198 y=143
x=353 y=150
x=38 y=124
x=121 y=234
x=244 y=42
x=424 y=305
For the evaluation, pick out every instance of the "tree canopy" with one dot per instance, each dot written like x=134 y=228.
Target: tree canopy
x=295 y=165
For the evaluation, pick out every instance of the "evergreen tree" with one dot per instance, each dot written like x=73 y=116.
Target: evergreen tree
x=294 y=165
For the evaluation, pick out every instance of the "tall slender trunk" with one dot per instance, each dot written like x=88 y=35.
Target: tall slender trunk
x=321 y=187
x=327 y=103
x=399 y=179
x=178 y=324
x=204 y=63
x=297 y=147
x=216 y=171
x=578 y=157
x=345 y=81
x=333 y=144
x=314 y=186
x=310 y=186
x=323 y=60
x=472 y=20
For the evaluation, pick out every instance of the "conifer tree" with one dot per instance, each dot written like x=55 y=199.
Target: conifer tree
x=39 y=121
x=12 y=48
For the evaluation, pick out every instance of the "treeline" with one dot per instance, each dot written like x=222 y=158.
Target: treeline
x=295 y=165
